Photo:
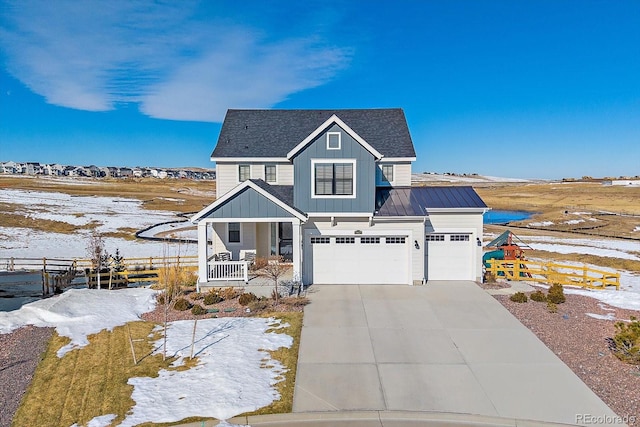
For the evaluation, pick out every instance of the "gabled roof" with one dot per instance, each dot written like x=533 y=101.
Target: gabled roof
x=281 y=195
x=274 y=133
x=418 y=201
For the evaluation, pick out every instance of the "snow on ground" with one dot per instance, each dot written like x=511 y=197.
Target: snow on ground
x=637 y=228
x=101 y=421
x=540 y=224
x=111 y=213
x=601 y=247
x=585 y=250
x=28 y=243
x=574 y=221
x=78 y=313
x=629 y=294
x=437 y=177
x=174 y=230
x=234 y=374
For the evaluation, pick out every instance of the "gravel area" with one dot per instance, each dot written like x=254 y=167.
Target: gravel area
x=581 y=342
x=20 y=353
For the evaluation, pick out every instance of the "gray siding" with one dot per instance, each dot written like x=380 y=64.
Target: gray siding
x=364 y=174
x=249 y=204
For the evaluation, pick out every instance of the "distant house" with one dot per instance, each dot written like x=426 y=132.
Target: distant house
x=137 y=172
x=11 y=167
x=31 y=168
x=330 y=191
x=126 y=172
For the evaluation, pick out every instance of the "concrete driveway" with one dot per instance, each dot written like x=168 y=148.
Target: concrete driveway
x=443 y=347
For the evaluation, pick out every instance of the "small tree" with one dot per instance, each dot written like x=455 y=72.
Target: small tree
x=274 y=269
x=96 y=253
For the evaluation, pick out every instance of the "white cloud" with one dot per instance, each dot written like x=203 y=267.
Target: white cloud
x=93 y=55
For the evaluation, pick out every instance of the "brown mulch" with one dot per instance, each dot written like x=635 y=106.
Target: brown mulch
x=288 y=304
x=20 y=353
x=580 y=342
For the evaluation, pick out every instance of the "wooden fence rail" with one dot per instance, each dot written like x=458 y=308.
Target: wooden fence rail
x=551 y=272
x=60 y=272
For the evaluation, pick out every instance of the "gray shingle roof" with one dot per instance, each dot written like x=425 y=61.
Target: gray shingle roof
x=416 y=201
x=273 y=133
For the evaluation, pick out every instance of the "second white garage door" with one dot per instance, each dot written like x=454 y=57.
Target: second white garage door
x=358 y=259
x=449 y=257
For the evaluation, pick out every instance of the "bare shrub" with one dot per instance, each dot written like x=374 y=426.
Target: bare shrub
x=274 y=270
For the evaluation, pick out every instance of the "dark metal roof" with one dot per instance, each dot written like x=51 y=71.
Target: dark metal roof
x=273 y=133
x=416 y=201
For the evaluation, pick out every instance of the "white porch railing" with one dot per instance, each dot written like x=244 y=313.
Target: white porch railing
x=229 y=270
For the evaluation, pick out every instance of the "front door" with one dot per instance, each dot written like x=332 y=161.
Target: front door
x=285 y=240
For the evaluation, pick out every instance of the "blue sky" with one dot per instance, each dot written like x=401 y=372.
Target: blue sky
x=532 y=89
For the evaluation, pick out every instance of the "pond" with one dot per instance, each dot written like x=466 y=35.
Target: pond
x=503 y=216
x=17 y=289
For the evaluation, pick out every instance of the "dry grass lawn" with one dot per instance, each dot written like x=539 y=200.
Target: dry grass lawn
x=92 y=381
x=156 y=194
x=551 y=200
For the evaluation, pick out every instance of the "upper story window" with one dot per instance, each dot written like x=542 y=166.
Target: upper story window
x=333 y=179
x=270 y=174
x=334 y=141
x=244 y=172
x=387 y=173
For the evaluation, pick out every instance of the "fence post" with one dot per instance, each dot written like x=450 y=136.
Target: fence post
x=12 y=266
x=584 y=275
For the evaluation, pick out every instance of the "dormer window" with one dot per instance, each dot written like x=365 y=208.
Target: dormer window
x=334 y=141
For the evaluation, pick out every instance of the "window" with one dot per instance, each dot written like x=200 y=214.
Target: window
x=320 y=240
x=369 y=240
x=387 y=173
x=270 y=173
x=459 y=238
x=345 y=240
x=394 y=240
x=233 y=232
x=244 y=172
x=333 y=179
x=435 y=237
x=334 y=141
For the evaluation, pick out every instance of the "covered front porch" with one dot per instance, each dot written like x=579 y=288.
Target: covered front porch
x=249 y=222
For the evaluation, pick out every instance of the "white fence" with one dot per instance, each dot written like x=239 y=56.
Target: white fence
x=229 y=270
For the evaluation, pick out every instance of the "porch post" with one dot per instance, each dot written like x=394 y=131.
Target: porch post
x=203 y=256
x=297 y=249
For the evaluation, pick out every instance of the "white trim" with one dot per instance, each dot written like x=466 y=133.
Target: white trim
x=265 y=173
x=339 y=214
x=236 y=190
x=256 y=220
x=226 y=236
x=399 y=218
x=457 y=210
x=249 y=159
x=332 y=196
x=331 y=120
x=397 y=159
x=339 y=147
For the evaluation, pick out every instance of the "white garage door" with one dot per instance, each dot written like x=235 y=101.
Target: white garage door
x=449 y=257
x=359 y=260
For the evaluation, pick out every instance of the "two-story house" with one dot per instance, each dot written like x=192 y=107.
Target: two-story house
x=330 y=191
